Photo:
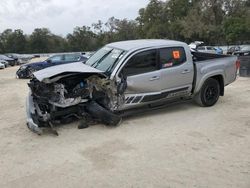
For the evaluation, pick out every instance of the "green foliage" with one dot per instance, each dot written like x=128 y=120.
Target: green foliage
x=216 y=22
x=39 y=41
x=13 y=41
x=81 y=39
x=237 y=29
x=153 y=22
x=43 y=41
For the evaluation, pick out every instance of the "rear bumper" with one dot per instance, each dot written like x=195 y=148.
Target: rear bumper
x=30 y=110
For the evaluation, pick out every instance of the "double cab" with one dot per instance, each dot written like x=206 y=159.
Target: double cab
x=126 y=76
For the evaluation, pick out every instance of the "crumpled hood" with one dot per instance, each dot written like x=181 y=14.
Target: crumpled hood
x=72 y=68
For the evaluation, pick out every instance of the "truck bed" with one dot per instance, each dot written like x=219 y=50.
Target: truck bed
x=206 y=65
x=201 y=56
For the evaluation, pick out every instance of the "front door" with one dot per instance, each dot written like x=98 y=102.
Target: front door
x=143 y=77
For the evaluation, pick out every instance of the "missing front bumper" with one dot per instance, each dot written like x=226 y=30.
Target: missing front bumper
x=93 y=109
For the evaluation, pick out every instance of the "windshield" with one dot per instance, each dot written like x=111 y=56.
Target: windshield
x=105 y=59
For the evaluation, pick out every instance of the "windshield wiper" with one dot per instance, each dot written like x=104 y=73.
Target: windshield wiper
x=97 y=62
x=112 y=65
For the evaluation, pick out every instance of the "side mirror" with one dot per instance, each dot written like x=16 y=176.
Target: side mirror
x=49 y=61
x=122 y=85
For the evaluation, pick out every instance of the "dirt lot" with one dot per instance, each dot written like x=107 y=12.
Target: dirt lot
x=180 y=146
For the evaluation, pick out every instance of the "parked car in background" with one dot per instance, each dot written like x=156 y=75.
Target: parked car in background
x=13 y=56
x=207 y=49
x=11 y=61
x=2 y=66
x=25 y=58
x=19 y=58
x=6 y=63
x=218 y=50
x=233 y=49
x=244 y=51
x=27 y=70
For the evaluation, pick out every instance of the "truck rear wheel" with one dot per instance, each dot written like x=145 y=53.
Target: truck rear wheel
x=209 y=93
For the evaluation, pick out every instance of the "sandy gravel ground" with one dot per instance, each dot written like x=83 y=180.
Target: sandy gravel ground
x=181 y=146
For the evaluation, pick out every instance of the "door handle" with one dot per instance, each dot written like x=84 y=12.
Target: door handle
x=185 y=71
x=154 y=78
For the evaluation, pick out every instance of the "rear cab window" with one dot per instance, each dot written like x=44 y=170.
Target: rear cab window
x=172 y=56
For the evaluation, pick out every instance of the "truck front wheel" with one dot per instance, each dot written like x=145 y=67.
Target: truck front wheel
x=209 y=93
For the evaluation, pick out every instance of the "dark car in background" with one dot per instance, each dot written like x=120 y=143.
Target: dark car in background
x=10 y=61
x=244 y=51
x=233 y=49
x=20 y=58
x=13 y=56
x=27 y=70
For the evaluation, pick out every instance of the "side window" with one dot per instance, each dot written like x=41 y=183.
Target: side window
x=72 y=57
x=201 y=48
x=141 y=63
x=56 y=58
x=170 y=57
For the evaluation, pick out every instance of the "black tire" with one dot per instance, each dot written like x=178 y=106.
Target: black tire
x=209 y=93
x=104 y=115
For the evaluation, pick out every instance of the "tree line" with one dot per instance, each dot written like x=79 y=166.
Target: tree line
x=216 y=22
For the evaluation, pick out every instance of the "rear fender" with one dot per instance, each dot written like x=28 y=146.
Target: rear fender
x=204 y=74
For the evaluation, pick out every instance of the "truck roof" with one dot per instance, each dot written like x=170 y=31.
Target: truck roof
x=143 y=43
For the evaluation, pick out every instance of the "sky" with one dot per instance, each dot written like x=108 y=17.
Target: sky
x=61 y=16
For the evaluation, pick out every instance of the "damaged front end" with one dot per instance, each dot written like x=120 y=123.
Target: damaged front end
x=62 y=98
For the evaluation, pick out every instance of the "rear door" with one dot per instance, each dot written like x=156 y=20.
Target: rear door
x=176 y=72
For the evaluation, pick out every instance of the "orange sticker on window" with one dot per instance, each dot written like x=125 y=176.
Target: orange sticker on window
x=176 y=54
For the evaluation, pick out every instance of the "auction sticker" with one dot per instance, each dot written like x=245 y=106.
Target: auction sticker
x=176 y=54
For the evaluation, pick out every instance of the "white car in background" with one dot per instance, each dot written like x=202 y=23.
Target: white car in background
x=2 y=66
x=5 y=63
x=207 y=49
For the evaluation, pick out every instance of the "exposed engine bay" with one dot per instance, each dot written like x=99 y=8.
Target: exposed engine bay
x=86 y=97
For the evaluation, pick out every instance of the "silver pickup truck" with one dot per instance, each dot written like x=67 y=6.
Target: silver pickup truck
x=124 y=77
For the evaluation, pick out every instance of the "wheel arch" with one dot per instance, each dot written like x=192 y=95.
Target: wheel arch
x=220 y=80
x=218 y=76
